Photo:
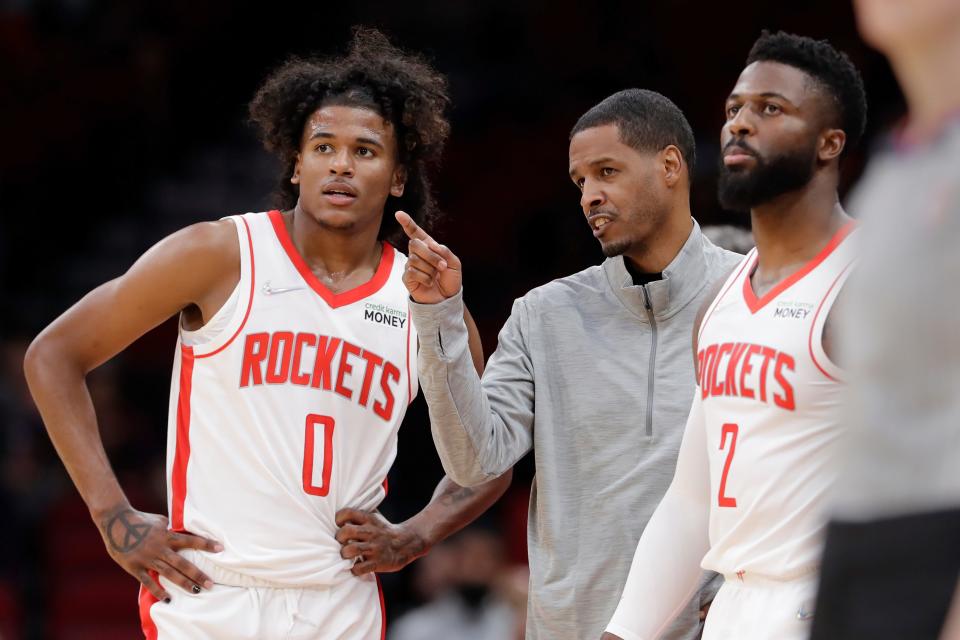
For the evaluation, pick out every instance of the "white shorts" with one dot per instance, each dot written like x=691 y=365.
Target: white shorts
x=761 y=609
x=247 y=610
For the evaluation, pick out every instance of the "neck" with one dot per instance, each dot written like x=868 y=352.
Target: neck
x=795 y=226
x=663 y=245
x=922 y=68
x=332 y=252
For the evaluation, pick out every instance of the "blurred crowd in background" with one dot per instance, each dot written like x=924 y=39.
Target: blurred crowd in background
x=123 y=121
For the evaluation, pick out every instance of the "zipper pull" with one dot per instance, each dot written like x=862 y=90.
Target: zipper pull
x=646 y=298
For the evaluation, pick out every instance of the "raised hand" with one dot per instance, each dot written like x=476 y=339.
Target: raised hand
x=141 y=543
x=374 y=544
x=433 y=271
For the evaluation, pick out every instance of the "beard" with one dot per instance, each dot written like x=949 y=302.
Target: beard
x=646 y=216
x=743 y=189
x=616 y=248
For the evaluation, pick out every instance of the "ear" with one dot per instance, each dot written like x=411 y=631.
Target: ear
x=295 y=178
x=673 y=165
x=399 y=181
x=832 y=142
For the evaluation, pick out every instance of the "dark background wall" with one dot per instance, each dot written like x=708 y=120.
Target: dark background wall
x=123 y=121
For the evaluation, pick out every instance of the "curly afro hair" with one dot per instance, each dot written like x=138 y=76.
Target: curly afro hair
x=401 y=87
x=830 y=68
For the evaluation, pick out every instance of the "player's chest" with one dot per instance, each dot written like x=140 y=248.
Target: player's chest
x=379 y=319
x=760 y=359
x=293 y=339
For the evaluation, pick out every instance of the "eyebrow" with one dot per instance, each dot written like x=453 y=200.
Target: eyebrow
x=363 y=140
x=594 y=163
x=765 y=94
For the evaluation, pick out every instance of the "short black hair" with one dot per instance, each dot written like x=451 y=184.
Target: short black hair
x=831 y=69
x=648 y=121
x=400 y=86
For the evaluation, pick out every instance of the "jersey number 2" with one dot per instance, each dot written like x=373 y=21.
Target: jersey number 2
x=322 y=426
x=732 y=429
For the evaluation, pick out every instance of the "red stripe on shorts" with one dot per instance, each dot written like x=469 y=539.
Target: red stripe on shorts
x=147 y=600
x=383 y=610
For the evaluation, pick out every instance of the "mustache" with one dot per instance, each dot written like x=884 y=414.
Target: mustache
x=742 y=146
x=604 y=210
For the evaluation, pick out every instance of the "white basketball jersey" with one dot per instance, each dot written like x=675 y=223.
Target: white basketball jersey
x=290 y=411
x=770 y=399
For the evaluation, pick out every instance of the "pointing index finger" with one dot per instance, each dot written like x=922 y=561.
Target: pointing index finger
x=411 y=228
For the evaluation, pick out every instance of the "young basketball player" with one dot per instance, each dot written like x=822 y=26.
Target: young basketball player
x=747 y=500
x=294 y=366
x=587 y=372
x=892 y=557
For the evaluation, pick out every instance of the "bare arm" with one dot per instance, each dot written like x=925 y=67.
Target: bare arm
x=377 y=545
x=190 y=269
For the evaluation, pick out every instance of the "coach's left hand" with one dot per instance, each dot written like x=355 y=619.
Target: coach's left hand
x=376 y=545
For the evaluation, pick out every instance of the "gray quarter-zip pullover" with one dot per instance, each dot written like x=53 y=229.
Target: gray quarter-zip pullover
x=596 y=375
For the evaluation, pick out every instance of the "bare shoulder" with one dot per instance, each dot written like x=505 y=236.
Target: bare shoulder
x=195 y=267
x=211 y=242
x=206 y=253
x=198 y=265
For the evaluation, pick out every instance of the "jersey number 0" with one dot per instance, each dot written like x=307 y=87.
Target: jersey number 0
x=324 y=424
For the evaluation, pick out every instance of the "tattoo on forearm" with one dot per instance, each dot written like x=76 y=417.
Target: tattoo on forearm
x=123 y=534
x=458 y=494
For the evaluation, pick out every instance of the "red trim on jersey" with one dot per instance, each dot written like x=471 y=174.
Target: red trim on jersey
x=335 y=300
x=181 y=457
x=253 y=279
x=383 y=610
x=755 y=304
x=814 y=324
x=147 y=600
x=386 y=487
x=716 y=302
